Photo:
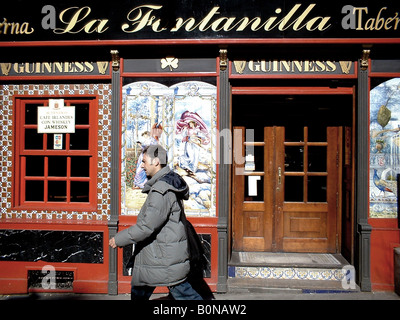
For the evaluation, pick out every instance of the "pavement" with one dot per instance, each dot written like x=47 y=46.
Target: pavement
x=270 y=294
x=244 y=289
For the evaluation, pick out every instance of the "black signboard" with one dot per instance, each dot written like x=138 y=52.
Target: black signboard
x=170 y=64
x=385 y=66
x=60 y=20
x=292 y=68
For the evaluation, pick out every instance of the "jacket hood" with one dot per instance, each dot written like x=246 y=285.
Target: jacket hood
x=168 y=180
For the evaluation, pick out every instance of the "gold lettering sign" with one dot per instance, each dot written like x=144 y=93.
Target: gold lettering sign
x=54 y=68
x=7 y=27
x=291 y=67
x=300 y=18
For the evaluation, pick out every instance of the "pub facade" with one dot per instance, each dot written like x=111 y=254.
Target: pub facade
x=282 y=117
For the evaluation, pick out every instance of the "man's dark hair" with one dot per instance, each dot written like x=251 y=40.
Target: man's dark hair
x=157 y=151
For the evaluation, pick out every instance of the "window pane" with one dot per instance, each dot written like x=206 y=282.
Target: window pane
x=79 y=191
x=34 y=166
x=294 y=134
x=81 y=113
x=34 y=191
x=254 y=158
x=79 y=140
x=31 y=113
x=317 y=159
x=254 y=135
x=316 y=189
x=57 y=166
x=80 y=166
x=294 y=159
x=294 y=189
x=33 y=140
x=57 y=191
x=317 y=134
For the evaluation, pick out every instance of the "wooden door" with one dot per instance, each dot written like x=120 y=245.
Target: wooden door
x=252 y=209
x=289 y=200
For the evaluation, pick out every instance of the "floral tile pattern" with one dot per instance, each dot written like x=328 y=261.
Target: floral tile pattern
x=286 y=273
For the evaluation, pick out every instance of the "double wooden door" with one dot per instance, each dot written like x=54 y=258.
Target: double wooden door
x=286 y=190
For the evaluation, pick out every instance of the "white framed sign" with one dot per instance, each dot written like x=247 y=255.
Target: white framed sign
x=253 y=185
x=56 y=118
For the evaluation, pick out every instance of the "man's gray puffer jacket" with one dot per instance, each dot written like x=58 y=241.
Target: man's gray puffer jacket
x=161 y=251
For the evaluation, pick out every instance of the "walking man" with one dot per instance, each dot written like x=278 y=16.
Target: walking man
x=161 y=251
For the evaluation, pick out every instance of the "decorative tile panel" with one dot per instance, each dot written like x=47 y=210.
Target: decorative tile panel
x=183 y=119
x=384 y=158
x=287 y=273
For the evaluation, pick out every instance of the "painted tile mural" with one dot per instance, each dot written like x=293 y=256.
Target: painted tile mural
x=384 y=148
x=183 y=119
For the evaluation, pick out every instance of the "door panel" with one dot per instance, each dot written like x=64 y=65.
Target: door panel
x=252 y=218
x=308 y=200
x=300 y=185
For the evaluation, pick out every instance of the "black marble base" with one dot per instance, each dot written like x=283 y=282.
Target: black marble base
x=51 y=246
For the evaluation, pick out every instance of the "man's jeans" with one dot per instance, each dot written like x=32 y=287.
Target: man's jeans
x=182 y=291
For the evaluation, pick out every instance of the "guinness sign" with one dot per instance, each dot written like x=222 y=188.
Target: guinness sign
x=56 y=68
x=291 y=68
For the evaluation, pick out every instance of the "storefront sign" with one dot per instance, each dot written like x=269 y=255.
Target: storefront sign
x=56 y=68
x=56 y=118
x=292 y=68
x=25 y=20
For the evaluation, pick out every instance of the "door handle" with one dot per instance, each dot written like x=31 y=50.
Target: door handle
x=279 y=176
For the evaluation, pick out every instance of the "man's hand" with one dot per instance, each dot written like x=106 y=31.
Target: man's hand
x=112 y=243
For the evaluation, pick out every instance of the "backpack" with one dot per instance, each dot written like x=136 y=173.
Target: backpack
x=197 y=258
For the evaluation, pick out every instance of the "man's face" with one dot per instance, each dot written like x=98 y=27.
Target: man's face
x=150 y=166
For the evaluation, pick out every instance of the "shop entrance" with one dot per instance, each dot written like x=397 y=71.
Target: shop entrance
x=289 y=190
